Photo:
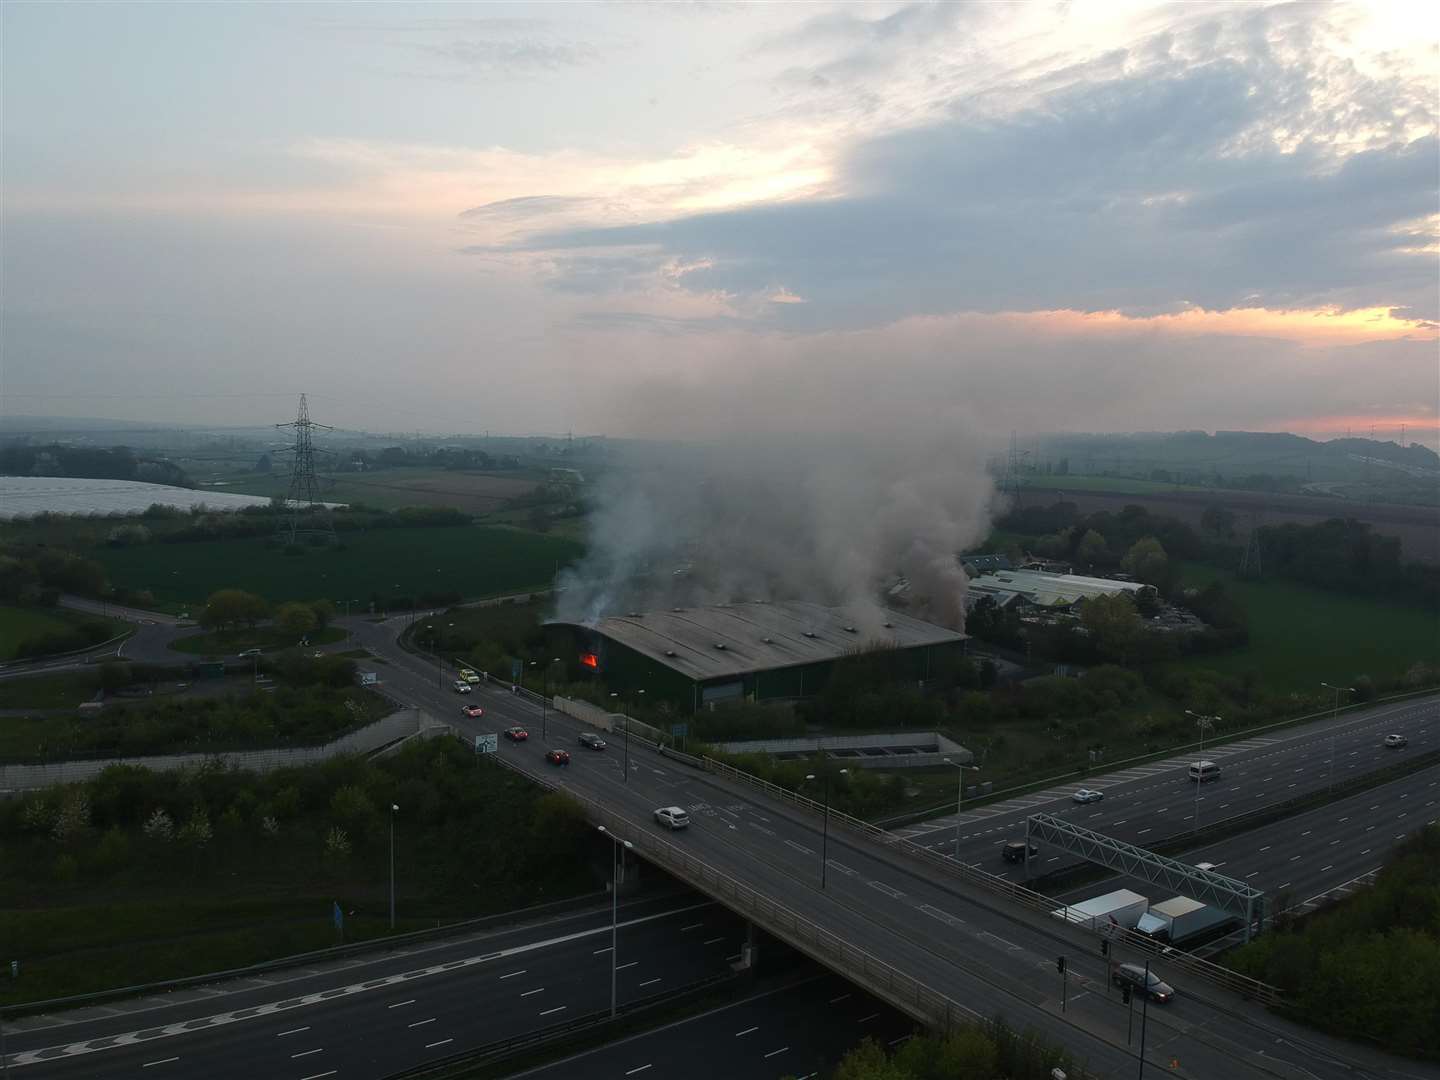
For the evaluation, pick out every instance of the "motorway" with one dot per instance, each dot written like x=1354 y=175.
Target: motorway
x=972 y=946
x=1152 y=802
x=381 y=1012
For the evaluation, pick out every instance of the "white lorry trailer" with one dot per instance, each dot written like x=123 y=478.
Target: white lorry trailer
x=1181 y=919
x=1119 y=908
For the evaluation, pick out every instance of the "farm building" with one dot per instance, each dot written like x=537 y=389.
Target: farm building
x=698 y=657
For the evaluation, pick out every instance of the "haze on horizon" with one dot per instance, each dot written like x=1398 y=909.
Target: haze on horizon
x=693 y=220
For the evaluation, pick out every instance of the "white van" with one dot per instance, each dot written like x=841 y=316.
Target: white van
x=1200 y=771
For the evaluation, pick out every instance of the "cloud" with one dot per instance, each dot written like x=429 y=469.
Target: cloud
x=511 y=56
x=1208 y=167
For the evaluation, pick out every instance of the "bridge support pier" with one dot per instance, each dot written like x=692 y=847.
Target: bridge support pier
x=749 y=951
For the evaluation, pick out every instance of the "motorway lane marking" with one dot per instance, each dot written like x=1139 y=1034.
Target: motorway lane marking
x=772 y=1053
x=650 y=982
x=307 y=1053
x=867 y=1019
x=527 y=993
x=442 y=1042
x=834 y=865
x=637 y=1069
x=296 y=1031
x=692 y=926
x=747 y=1031
x=837 y=1000
x=512 y=974
x=162 y=1061
x=558 y=1008
x=397 y=1005
x=945 y=917
x=1324 y=868
x=320 y=1076
x=800 y=847
x=632 y=963
x=712 y=941
x=888 y=890
x=422 y=1023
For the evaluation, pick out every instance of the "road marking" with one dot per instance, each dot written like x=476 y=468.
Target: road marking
x=1117 y=823
x=595 y=952
x=1334 y=842
x=307 y=1053
x=888 y=890
x=442 y=1042
x=772 y=1053
x=1294 y=857
x=650 y=982
x=637 y=1069
x=632 y=963
x=162 y=1061
x=800 y=847
x=1265 y=848
x=320 y=1076
x=1286 y=885
x=692 y=926
x=511 y=975
x=527 y=993
x=747 y=1031
x=558 y=1008
x=1324 y=868
x=712 y=941
x=837 y=1000
x=296 y=1031
x=840 y=866
x=1142 y=832
x=1307 y=832
x=867 y=1019
x=945 y=917
x=1365 y=852
x=422 y=1023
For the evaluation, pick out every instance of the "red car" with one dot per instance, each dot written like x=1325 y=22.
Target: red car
x=472 y=711
x=558 y=757
x=516 y=734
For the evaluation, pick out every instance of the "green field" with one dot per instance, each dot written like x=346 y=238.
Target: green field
x=390 y=489
x=17 y=624
x=379 y=563
x=1302 y=636
x=1119 y=484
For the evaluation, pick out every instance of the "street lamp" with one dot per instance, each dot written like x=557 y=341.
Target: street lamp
x=959 y=798
x=626 y=717
x=439 y=667
x=1334 y=717
x=615 y=866
x=393 y=809
x=1201 y=722
x=825 y=833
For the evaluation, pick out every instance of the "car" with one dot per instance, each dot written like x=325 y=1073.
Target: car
x=472 y=711
x=593 y=741
x=460 y=686
x=673 y=816
x=1395 y=740
x=249 y=653
x=1085 y=795
x=469 y=676
x=1014 y=851
x=558 y=757
x=1207 y=866
x=516 y=734
x=1134 y=976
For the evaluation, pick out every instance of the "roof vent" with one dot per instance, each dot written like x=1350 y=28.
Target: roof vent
x=719 y=645
x=669 y=652
x=850 y=629
x=809 y=633
x=768 y=640
x=890 y=626
x=634 y=614
x=677 y=609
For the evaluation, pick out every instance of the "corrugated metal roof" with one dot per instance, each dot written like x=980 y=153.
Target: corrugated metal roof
x=712 y=642
x=1053 y=589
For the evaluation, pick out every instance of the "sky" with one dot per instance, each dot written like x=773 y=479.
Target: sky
x=687 y=220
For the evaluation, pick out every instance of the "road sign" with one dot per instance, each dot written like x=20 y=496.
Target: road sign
x=680 y=731
x=368 y=678
x=487 y=744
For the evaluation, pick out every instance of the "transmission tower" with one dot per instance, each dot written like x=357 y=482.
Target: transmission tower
x=309 y=517
x=1250 y=566
x=1011 y=482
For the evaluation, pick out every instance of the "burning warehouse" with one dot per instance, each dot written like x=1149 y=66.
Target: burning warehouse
x=698 y=657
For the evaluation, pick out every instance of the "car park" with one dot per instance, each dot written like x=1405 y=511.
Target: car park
x=516 y=734
x=591 y=740
x=558 y=757
x=1134 y=975
x=672 y=816
x=1086 y=795
x=460 y=686
x=472 y=711
x=1014 y=851
x=1394 y=741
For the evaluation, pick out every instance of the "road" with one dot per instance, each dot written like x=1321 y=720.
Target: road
x=974 y=948
x=1149 y=803
x=382 y=1012
x=799 y=1030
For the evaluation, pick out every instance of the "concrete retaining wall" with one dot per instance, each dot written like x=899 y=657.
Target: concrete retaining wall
x=371 y=737
x=893 y=750
x=603 y=719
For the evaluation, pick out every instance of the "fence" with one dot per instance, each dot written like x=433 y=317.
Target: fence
x=371 y=737
x=1212 y=973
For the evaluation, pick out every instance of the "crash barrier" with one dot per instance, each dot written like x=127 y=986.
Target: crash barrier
x=1213 y=973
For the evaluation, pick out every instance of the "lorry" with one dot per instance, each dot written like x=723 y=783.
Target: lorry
x=1121 y=908
x=1181 y=919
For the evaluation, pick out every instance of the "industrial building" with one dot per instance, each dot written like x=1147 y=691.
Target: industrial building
x=1043 y=589
x=697 y=657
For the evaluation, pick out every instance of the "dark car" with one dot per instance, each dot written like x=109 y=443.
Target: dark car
x=516 y=734
x=472 y=711
x=558 y=757
x=1014 y=851
x=1134 y=976
x=593 y=741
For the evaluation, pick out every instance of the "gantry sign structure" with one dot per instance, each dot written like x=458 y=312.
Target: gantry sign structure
x=1206 y=886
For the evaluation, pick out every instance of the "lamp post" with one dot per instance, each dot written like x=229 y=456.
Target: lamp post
x=825 y=830
x=1202 y=722
x=1334 y=717
x=959 y=798
x=615 y=865
x=439 y=667
x=393 y=809
x=626 y=717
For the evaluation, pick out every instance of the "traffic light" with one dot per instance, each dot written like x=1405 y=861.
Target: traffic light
x=1104 y=947
x=1124 y=993
x=1060 y=964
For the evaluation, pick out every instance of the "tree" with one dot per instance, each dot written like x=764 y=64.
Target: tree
x=324 y=612
x=1146 y=561
x=114 y=675
x=229 y=608
x=1091 y=549
x=296 y=619
x=73 y=821
x=1114 y=623
x=1218 y=520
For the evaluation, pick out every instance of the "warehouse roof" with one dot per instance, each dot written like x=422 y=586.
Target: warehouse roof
x=1047 y=589
x=721 y=640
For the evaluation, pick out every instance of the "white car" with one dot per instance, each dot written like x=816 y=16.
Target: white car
x=1085 y=795
x=1396 y=740
x=673 y=816
x=461 y=686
